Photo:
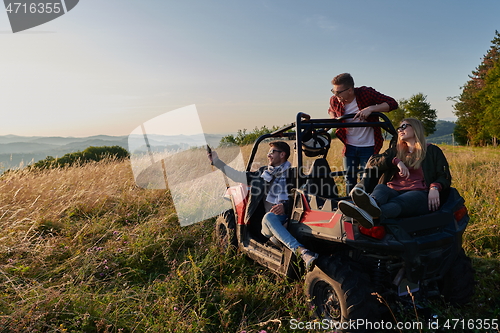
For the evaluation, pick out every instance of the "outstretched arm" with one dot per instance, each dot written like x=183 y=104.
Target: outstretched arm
x=237 y=176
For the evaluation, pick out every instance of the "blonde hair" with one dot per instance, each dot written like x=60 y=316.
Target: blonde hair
x=415 y=158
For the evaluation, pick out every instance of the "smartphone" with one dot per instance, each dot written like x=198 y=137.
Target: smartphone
x=209 y=152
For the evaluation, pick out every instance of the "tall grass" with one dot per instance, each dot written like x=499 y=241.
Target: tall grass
x=475 y=174
x=83 y=249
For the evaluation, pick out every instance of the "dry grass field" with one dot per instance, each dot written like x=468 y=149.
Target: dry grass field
x=84 y=249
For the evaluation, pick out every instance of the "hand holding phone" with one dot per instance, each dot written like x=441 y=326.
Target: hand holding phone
x=209 y=154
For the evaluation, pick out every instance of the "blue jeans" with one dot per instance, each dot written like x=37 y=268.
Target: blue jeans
x=394 y=203
x=355 y=159
x=272 y=225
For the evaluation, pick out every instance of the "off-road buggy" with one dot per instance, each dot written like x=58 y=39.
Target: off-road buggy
x=420 y=254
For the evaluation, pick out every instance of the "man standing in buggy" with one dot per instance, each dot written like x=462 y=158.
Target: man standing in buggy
x=360 y=142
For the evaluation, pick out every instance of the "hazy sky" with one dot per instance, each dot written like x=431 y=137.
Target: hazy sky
x=105 y=67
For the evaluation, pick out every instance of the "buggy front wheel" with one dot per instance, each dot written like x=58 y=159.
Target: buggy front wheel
x=225 y=230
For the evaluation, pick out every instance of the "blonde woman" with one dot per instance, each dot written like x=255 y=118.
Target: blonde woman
x=415 y=177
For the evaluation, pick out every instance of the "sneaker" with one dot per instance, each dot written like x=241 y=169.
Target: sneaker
x=364 y=201
x=349 y=209
x=309 y=258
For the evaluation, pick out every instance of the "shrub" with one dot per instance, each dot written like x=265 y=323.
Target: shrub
x=81 y=157
x=243 y=138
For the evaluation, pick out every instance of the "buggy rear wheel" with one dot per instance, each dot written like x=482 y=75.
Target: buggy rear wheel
x=340 y=292
x=458 y=283
x=225 y=230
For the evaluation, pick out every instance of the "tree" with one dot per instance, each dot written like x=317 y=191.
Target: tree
x=460 y=133
x=417 y=107
x=474 y=107
x=396 y=116
x=490 y=101
x=243 y=138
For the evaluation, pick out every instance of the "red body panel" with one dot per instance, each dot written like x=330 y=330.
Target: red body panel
x=239 y=195
x=320 y=219
x=325 y=219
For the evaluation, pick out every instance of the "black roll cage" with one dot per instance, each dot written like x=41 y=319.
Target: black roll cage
x=304 y=122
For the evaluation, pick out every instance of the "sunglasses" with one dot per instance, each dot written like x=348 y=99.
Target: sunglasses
x=403 y=127
x=336 y=93
x=272 y=151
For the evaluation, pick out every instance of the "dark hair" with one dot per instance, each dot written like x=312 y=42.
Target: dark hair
x=281 y=145
x=344 y=79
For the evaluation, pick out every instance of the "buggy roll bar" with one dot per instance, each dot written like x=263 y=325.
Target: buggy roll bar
x=280 y=133
x=331 y=123
x=304 y=122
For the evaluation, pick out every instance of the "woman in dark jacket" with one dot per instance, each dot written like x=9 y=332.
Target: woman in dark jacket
x=414 y=175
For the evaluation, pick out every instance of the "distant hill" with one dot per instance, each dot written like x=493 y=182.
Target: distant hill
x=24 y=147
x=18 y=151
x=443 y=134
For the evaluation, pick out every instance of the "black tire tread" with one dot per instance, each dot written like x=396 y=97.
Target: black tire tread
x=459 y=283
x=226 y=221
x=355 y=285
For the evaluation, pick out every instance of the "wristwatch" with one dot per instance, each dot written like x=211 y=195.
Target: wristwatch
x=434 y=188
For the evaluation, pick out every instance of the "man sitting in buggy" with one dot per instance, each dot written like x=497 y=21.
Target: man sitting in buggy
x=269 y=183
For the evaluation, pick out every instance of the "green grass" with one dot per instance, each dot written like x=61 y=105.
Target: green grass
x=83 y=249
